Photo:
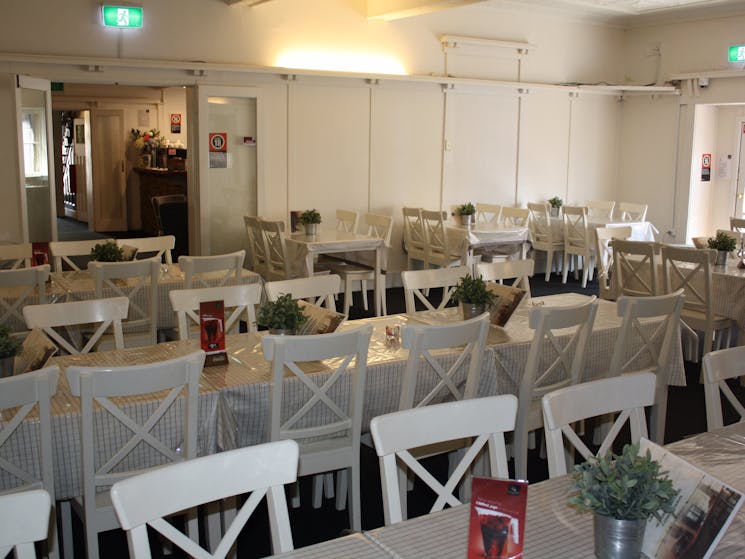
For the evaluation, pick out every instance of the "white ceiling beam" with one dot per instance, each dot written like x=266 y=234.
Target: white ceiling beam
x=389 y=10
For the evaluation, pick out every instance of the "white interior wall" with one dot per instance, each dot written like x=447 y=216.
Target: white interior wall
x=701 y=192
x=174 y=102
x=725 y=164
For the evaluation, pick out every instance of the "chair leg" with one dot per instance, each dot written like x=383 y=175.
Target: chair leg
x=521 y=455
x=66 y=529
x=585 y=271
x=342 y=486
x=549 y=262
x=658 y=415
x=328 y=485
x=355 y=505
x=317 y=490
x=565 y=269
x=363 y=289
x=347 y=295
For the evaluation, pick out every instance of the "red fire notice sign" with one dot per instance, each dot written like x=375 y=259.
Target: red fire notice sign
x=218 y=141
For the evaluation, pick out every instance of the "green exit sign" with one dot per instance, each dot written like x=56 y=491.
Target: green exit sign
x=123 y=17
x=737 y=53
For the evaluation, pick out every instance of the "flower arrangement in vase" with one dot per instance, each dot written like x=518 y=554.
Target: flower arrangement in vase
x=473 y=296
x=310 y=219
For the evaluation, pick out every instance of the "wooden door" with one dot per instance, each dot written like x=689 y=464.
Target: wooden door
x=109 y=184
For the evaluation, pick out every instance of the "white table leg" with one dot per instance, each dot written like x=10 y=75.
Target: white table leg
x=379 y=282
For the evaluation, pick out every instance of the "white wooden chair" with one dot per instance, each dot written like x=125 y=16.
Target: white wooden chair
x=632 y=212
x=347 y=220
x=627 y=394
x=415 y=240
x=104 y=462
x=718 y=366
x=416 y=282
x=278 y=263
x=141 y=288
x=439 y=250
x=600 y=209
x=242 y=299
x=689 y=269
x=19 y=255
x=636 y=268
x=514 y=217
x=737 y=225
x=63 y=251
x=542 y=235
x=488 y=214
x=161 y=246
x=394 y=434
x=24 y=519
x=261 y=470
x=327 y=443
x=320 y=290
x=554 y=360
x=28 y=286
x=20 y=396
x=103 y=312
x=199 y=271
x=604 y=253
x=577 y=242
x=655 y=345
x=256 y=251
x=519 y=270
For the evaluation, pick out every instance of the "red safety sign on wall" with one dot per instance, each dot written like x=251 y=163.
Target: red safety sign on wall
x=218 y=141
x=706 y=167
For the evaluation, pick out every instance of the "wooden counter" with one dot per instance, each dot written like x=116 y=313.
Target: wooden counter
x=157 y=182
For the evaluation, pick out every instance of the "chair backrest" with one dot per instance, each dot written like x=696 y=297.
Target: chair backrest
x=689 y=269
x=261 y=470
x=328 y=410
x=161 y=246
x=104 y=312
x=488 y=214
x=149 y=430
x=380 y=226
x=604 y=253
x=347 y=220
x=19 y=255
x=24 y=286
x=62 y=251
x=636 y=268
x=627 y=394
x=602 y=209
x=141 y=288
x=319 y=289
x=718 y=366
x=520 y=270
x=539 y=223
x=159 y=201
x=576 y=232
x=256 y=253
x=200 y=271
x=242 y=299
x=415 y=239
x=737 y=224
x=394 y=434
x=632 y=212
x=514 y=217
x=275 y=248
x=416 y=281
x=24 y=519
x=432 y=376
x=435 y=231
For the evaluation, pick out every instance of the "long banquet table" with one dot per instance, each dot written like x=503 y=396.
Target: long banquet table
x=233 y=405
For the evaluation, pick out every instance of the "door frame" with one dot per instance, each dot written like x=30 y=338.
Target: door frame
x=96 y=192
x=198 y=141
x=45 y=86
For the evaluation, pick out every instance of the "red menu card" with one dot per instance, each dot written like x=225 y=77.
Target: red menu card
x=497 y=520
x=212 y=331
x=39 y=253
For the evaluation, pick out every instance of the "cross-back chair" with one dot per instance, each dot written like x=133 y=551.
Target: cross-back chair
x=146 y=428
x=600 y=209
x=543 y=237
x=636 y=268
x=485 y=420
x=415 y=240
x=106 y=313
x=577 y=242
x=24 y=519
x=23 y=286
x=62 y=252
x=256 y=250
x=737 y=225
x=278 y=263
x=261 y=470
x=347 y=220
x=325 y=416
x=319 y=290
x=206 y=271
x=19 y=255
x=627 y=395
x=632 y=212
x=161 y=246
x=439 y=251
x=488 y=214
x=514 y=217
x=240 y=300
x=718 y=366
x=604 y=252
x=416 y=282
x=519 y=270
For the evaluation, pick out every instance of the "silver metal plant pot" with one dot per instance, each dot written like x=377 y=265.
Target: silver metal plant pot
x=311 y=229
x=554 y=211
x=282 y=332
x=466 y=220
x=471 y=310
x=618 y=539
x=721 y=258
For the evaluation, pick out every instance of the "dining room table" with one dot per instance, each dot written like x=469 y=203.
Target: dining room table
x=234 y=397
x=486 y=237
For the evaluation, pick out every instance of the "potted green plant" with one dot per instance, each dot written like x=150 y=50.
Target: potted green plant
x=555 y=204
x=9 y=347
x=623 y=491
x=466 y=213
x=473 y=296
x=107 y=252
x=310 y=219
x=283 y=316
x=723 y=244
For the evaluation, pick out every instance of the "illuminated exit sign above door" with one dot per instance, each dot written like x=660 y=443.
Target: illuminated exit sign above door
x=737 y=53
x=123 y=17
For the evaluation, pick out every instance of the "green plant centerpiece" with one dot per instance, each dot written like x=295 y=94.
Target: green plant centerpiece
x=466 y=213
x=473 y=296
x=310 y=219
x=623 y=491
x=283 y=316
x=723 y=243
x=107 y=252
x=555 y=204
x=9 y=347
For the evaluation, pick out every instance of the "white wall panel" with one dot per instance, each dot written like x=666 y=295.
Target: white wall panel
x=542 y=159
x=593 y=148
